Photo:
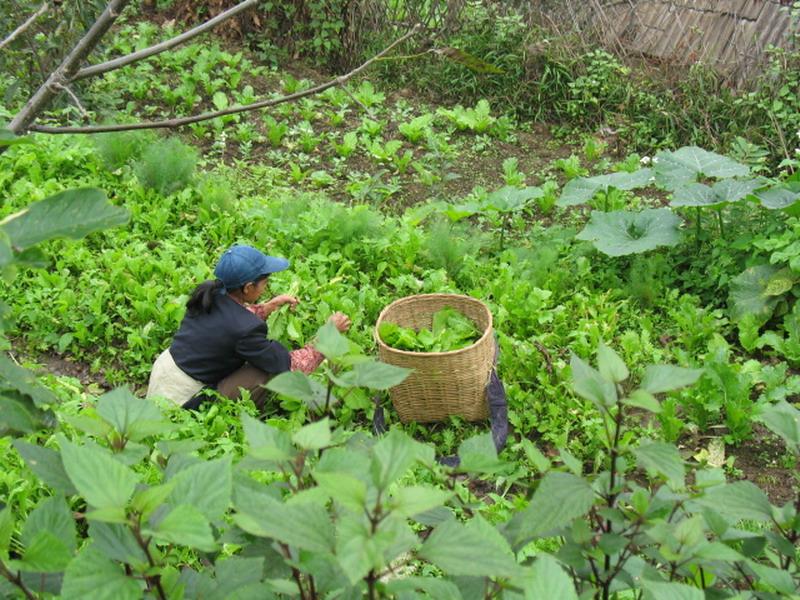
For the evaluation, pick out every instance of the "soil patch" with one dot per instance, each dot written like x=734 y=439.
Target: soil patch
x=61 y=365
x=761 y=460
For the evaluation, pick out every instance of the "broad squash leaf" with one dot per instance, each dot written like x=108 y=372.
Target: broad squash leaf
x=583 y=189
x=618 y=233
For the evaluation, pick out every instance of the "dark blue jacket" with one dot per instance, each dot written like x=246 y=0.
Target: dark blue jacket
x=210 y=346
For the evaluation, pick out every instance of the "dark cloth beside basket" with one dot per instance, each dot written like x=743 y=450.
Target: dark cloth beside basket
x=498 y=413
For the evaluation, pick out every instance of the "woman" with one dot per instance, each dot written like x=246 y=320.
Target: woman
x=222 y=341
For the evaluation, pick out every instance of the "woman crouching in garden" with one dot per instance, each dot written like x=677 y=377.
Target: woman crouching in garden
x=222 y=341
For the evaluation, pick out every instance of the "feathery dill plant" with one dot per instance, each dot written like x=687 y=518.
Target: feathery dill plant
x=446 y=246
x=350 y=225
x=166 y=166
x=118 y=148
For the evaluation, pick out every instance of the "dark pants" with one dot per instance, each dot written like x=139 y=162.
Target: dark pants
x=247 y=377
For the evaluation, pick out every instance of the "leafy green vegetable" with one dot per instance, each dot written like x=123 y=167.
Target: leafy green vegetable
x=450 y=330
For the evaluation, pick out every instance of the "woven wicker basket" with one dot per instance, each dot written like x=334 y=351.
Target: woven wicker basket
x=442 y=383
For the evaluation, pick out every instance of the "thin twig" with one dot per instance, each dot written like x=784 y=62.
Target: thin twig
x=375 y=517
x=173 y=123
x=747 y=577
x=144 y=544
x=356 y=100
x=17 y=581
x=75 y=100
x=296 y=575
x=116 y=63
x=14 y=34
x=411 y=56
x=546 y=353
x=36 y=56
x=627 y=551
x=781 y=137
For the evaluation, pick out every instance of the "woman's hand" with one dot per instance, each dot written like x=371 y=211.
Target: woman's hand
x=341 y=321
x=264 y=309
x=279 y=301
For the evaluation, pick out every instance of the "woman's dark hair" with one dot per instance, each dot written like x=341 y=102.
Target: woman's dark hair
x=203 y=296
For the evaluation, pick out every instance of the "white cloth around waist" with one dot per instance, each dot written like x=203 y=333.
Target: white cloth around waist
x=169 y=381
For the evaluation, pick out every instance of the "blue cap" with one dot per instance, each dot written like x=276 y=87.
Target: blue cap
x=242 y=264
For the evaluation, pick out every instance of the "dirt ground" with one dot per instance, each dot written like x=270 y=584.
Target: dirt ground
x=761 y=460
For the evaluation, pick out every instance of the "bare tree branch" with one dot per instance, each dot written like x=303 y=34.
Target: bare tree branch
x=14 y=34
x=166 y=45
x=61 y=76
x=180 y=122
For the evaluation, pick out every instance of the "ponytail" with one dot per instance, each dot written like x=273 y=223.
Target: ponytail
x=203 y=296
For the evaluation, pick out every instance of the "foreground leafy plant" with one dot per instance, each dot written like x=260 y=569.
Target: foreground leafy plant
x=335 y=513
x=346 y=368
x=73 y=214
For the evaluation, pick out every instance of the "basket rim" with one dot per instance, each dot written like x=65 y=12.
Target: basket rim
x=381 y=344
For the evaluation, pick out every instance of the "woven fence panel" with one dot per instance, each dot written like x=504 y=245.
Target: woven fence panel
x=729 y=35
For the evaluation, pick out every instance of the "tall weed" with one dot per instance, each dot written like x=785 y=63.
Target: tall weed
x=166 y=166
x=446 y=246
x=118 y=148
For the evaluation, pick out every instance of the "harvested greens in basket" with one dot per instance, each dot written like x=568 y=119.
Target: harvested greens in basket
x=450 y=330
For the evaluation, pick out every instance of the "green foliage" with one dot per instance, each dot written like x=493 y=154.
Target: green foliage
x=722 y=192
x=383 y=152
x=70 y=214
x=478 y=119
x=450 y=330
x=167 y=166
x=601 y=86
x=367 y=95
x=449 y=246
x=351 y=503
x=417 y=129
x=686 y=165
x=276 y=131
x=544 y=75
x=348 y=145
x=593 y=148
x=120 y=148
x=582 y=189
x=570 y=167
x=758 y=290
x=618 y=233
x=511 y=173
x=362 y=507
